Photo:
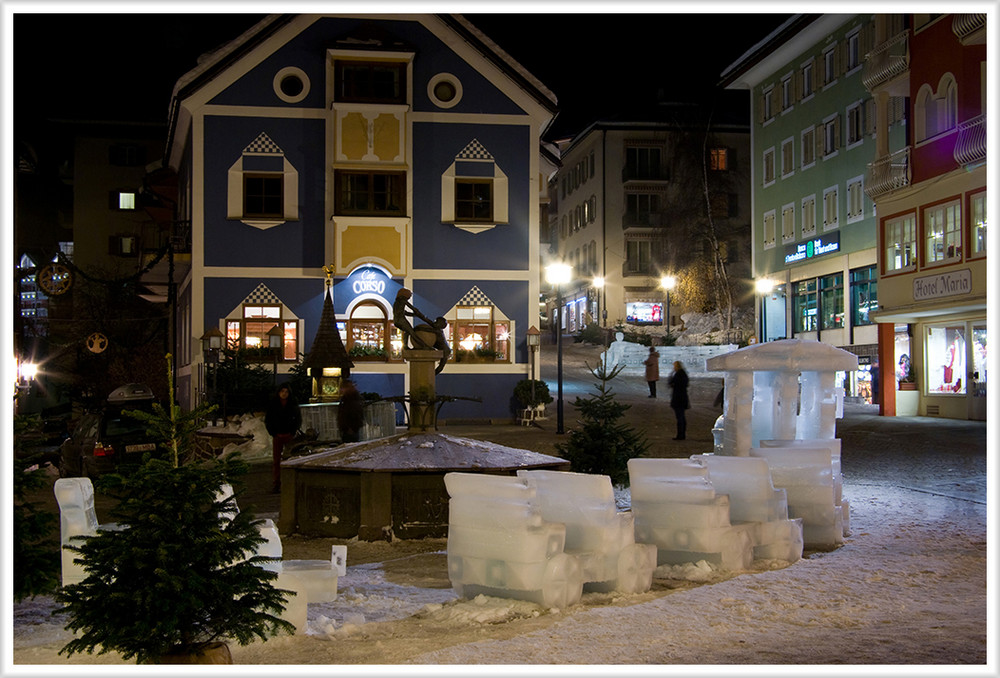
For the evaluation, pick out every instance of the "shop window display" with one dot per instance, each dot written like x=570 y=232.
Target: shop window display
x=946 y=360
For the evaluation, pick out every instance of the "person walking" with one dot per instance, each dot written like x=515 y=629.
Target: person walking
x=679 y=402
x=350 y=413
x=282 y=420
x=652 y=364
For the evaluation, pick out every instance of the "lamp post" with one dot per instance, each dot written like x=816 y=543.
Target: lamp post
x=668 y=282
x=211 y=344
x=764 y=286
x=533 y=337
x=274 y=337
x=557 y=275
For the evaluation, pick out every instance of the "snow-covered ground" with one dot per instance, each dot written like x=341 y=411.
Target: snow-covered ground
x=909 y=586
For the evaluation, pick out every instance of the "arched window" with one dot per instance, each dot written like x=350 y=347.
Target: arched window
x=948 y=94
x=370 y=336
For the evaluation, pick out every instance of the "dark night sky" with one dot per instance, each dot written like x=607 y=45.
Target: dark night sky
x=118 y=67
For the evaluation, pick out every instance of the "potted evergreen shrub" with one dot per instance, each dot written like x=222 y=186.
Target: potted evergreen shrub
x=180 y=578
x=532 y=399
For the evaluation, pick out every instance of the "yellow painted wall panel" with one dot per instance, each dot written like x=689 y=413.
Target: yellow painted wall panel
x=359 y=242
x=387 y=135
x=353 y=136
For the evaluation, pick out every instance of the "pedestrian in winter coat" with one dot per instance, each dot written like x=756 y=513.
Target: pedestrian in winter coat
x=282 y=420
x=679 y=402
x=652 y=364
x=350 y=413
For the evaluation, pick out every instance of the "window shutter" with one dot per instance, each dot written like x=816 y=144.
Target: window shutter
x=836 y=132
x=797 y=85
x=819 y=137
x=841 y=58
x=760 y=109
x=869 y=114
x=819 y=71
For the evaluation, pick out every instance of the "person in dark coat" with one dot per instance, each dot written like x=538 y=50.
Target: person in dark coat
x=679 y=402
x=652 y=364
x=350 y=413
x=282 y=420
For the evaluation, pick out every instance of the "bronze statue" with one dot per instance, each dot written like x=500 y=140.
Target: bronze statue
x=401 y=308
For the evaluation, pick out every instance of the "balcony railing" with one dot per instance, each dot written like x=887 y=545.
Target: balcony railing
x=888 y=174
x=644 y=174
x=887 y=61
x=642 y=220
x=970 y=148
x=966 y=25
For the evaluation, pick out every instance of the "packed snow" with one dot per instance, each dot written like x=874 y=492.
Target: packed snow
x=907 y=587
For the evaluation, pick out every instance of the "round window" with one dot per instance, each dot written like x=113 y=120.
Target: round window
x=291 y=84
x=444 y=90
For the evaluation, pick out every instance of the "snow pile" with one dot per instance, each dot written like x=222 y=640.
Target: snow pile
x=258 y=448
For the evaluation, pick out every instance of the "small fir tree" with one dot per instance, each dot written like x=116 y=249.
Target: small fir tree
x=603 y=444
x=180 y=573
x=36 y=562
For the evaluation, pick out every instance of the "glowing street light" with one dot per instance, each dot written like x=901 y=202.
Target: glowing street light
x=558 y=274
x=668 y=282
x=764 y=287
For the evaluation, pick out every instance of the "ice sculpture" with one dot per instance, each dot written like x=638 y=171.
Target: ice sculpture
x=314 y=581
x=500 y=545
x=809 y=471
x=780 y=390
x=600 y=537
x=77 y=518
x=723 y=510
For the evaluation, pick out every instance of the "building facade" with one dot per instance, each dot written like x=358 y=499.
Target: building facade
x=631 y=210
x=387 y=151
x=929 y=187
x=815 y=246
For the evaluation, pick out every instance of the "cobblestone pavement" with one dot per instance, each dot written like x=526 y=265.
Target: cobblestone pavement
x=928 y=454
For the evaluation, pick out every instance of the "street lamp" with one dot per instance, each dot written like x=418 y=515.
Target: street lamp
x=211 y=344
x=534 y=338
x=599 y=285
x=764 y=286
x=668 y=282
x=274 y=337
x=557 y=275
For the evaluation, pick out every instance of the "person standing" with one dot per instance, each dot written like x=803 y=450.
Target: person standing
x=679 y=402
x=282 y=420
x=350 y=413
x=652 y=364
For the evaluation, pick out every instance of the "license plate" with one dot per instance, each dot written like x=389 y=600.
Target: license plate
x=144 y=447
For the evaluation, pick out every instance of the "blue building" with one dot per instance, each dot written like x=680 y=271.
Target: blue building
x=387 y=151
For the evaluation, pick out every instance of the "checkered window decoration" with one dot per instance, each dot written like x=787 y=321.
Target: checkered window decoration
x=474 y=151
x=263 y=145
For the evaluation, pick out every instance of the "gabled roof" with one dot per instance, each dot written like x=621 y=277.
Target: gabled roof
x=213 y=63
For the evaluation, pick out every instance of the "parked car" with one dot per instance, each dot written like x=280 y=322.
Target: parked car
x=109 y=440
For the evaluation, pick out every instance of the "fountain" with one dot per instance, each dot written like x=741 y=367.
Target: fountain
x=394 y=487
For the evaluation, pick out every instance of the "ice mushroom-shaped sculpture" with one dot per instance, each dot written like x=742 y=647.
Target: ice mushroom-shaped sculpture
x=601 y=537
x=780 y=390
x=500 y=545
x=678 y=510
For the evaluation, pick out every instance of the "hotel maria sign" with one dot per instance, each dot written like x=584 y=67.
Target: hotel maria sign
x=947 y=284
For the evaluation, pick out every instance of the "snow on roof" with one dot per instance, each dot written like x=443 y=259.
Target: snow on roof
x=786 y=355
x=432 y=452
